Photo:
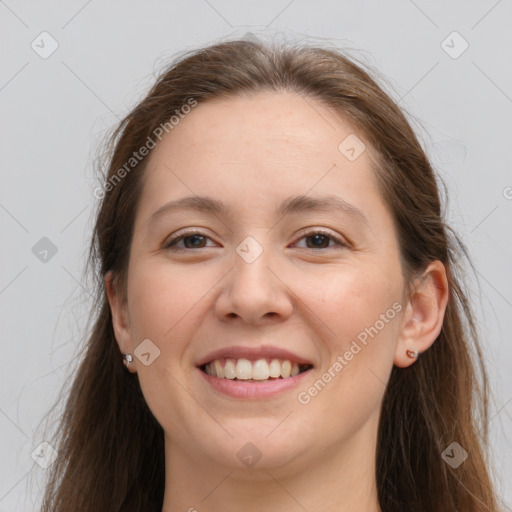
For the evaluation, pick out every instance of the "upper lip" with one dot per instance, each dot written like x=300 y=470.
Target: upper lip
x=253 y=353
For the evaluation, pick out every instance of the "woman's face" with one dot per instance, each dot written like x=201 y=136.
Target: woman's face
x=294 y=250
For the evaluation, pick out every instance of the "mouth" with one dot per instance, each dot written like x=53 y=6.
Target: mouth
x=254 y=371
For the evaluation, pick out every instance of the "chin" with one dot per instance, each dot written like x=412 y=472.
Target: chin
x=256 y=449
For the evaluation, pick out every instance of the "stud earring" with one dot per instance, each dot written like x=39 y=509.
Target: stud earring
x=127 y=359
x=413 y=354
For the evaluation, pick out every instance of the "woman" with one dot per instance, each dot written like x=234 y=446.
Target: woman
x=276 y=275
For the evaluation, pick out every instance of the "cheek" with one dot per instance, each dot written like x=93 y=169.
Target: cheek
x=360 y=311
x=164 y=304
x=350 y=300
x=162 y=297
x=358 y=345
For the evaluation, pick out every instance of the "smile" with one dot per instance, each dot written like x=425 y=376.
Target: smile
x=254 y=371
x=252 y=380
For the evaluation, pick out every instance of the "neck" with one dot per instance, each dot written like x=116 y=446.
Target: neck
x=341 y=479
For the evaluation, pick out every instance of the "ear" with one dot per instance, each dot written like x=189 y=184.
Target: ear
x=424 y=313
x=120 y=320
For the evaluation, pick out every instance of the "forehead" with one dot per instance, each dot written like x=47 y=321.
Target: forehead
x=257 y=150
x=261 y=123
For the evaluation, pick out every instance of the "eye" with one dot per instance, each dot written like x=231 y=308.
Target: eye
x=321 y=239
x=191 y=240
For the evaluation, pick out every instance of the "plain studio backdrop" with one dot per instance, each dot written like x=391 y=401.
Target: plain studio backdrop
x=71 y=70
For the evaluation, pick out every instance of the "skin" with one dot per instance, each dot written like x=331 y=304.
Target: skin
x=253 y=153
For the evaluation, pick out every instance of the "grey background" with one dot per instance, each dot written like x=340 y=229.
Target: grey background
x=55 y=113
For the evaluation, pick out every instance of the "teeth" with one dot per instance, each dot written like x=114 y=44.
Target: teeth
x=275 y=368
x=260 y=370
x=243 y=369
x=286 y=369
x=230 y=369
x=218 y=371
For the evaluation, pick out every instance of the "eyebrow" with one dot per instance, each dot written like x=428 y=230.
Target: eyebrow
x=294 y=204
x=302 y=203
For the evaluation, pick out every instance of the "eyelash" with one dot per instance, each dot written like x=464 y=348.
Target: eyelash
x=169 y=245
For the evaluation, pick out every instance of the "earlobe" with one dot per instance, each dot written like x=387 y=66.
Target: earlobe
x=423 y=316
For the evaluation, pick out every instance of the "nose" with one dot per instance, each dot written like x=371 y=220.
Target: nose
x=254 y=292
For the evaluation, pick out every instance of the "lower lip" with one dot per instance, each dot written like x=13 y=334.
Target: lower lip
x=253 y=390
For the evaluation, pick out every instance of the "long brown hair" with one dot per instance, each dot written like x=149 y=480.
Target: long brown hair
x=111 y=448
